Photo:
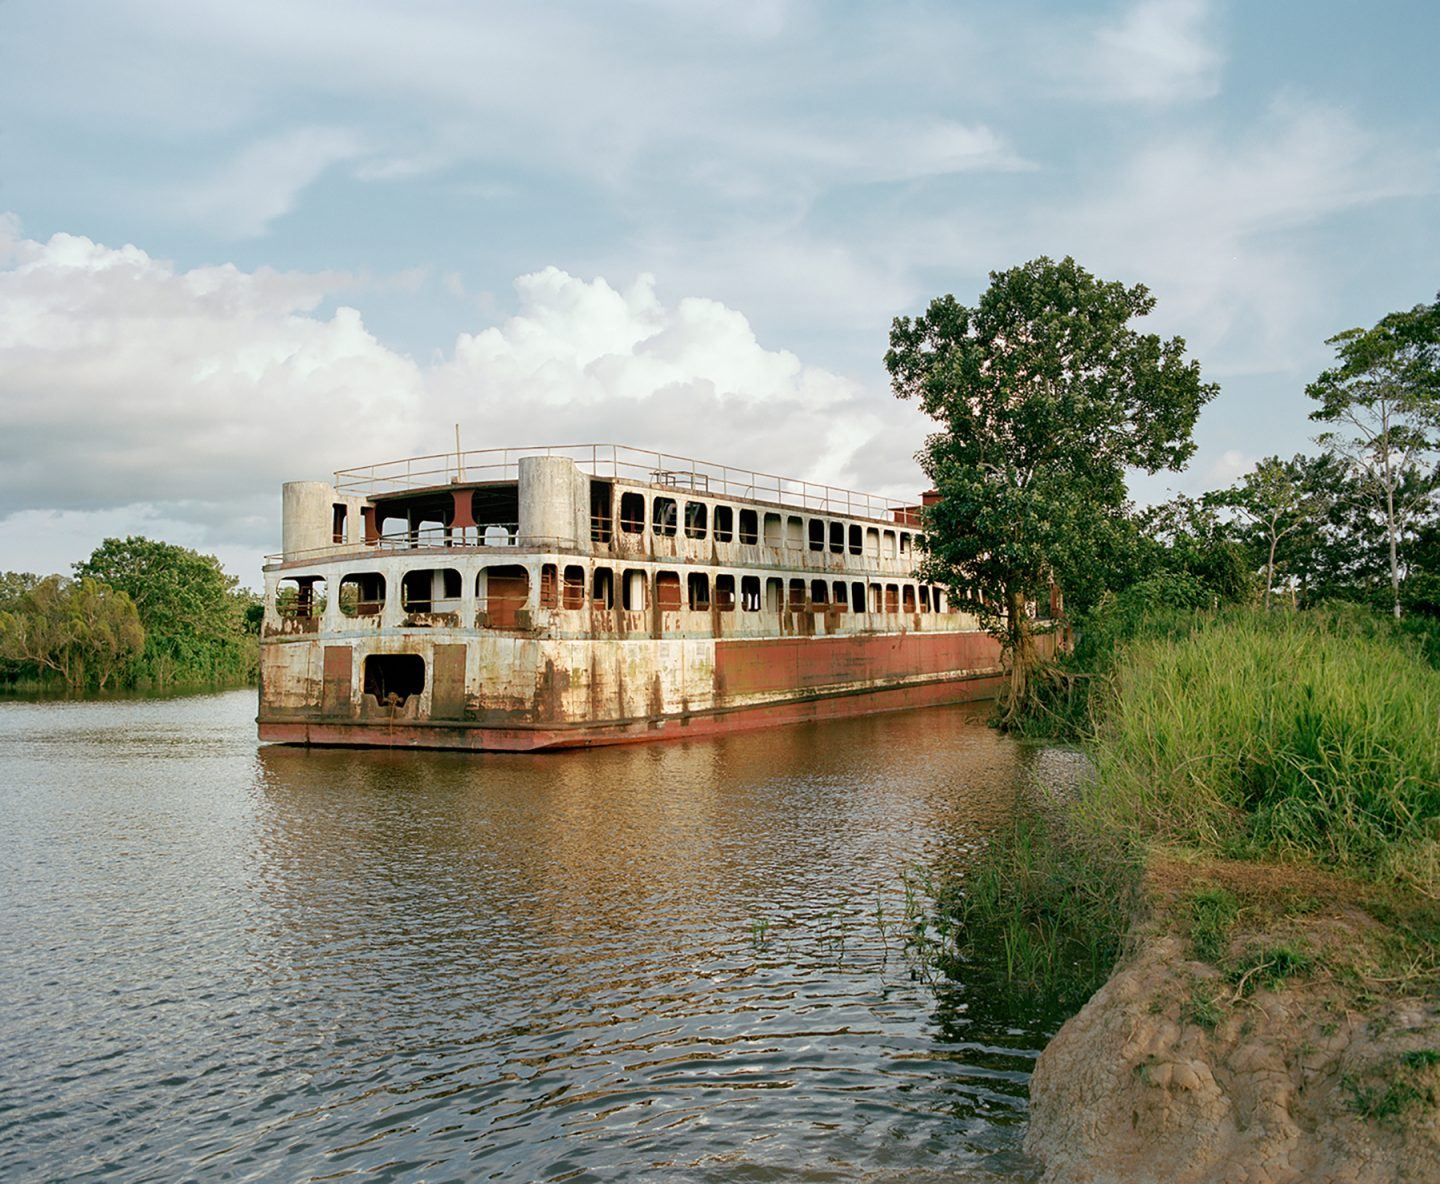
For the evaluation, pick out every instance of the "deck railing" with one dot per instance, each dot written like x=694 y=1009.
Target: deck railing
x=617 y=462
x=491 y=537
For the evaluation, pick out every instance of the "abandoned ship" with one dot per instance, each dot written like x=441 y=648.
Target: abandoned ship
x=532 y=598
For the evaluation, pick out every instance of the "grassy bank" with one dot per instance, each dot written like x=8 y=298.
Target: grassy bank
x=1235 y=756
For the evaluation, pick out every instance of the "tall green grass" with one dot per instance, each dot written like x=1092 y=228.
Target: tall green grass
x=1045 y=908
x=1243 y=734
x=1268 y=735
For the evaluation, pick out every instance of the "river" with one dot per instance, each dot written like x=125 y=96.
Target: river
x=679 y=961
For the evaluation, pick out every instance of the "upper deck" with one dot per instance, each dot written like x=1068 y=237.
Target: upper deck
x=592 y=499
x=617 y=462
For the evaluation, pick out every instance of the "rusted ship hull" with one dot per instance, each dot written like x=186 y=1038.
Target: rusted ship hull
x=373 y=733
x=554 y=695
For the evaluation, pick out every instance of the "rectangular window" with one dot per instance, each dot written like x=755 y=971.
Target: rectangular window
x=573 y=593
x=697 y=585
x=664 y=517
x=431 y=590
x=725 y=593
x=750 y=593
x=667 y=590
x=301 y=598
x=819 y=592
x=892 y=598
x=774 y=535
x=549 y=596
x=857 y=597
x=774 y=591
x=841 y=595
x=905 y=544
x=872 y=542
x=837 y=538
x=362 y=594
x=632 y=513
x=749 y=527
x=795 y=534
x=797 y=596
x=909 y=595
x=877 y=598
x=855 y=536
x=602 y=589
x=600 y=511
x=695 y=516
x=817 y=534
x=889 y=544
x=632 y=590
x=505 y=590
x=924 y=598
x=338 y=513
x=724 y=524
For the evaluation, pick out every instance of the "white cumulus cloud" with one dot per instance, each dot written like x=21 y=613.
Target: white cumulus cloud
x=191 y=395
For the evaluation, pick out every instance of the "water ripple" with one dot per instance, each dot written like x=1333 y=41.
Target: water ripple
x=679 y=961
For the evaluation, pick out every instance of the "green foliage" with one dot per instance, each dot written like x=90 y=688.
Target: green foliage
x=1071 y=690
x=193 y=612
x=1269 y=966
x=1212 y=915
x=1188 y=537
x=1205 y=1008
x=81 y=630
x=1278 y=499
x=1396 y=1088
x=1045 y=396
x=1044 y=908
x=1294 y=735
x=14 y=585
x=1230 y=733
x=1382 y=402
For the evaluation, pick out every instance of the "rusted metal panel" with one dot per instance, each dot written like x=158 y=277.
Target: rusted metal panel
x=807 y=663
x=447 y=693
x=336 y=674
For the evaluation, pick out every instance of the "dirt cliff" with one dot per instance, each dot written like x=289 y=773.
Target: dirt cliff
x=1256 y=1033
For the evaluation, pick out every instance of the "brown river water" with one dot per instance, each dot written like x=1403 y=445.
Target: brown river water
x=679 y=961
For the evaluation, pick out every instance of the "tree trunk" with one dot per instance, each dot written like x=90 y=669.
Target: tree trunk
x=1270 y=570
x=1390 y=507
x=1394 y=553
x=1021 y=646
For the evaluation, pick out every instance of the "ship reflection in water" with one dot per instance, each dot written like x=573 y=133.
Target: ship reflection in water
x=677 y=961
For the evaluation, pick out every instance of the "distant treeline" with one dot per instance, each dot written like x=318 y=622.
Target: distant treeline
x=137 y=614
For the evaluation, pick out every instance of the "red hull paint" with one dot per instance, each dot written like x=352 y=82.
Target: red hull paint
x=817 y=663
x=369 y=734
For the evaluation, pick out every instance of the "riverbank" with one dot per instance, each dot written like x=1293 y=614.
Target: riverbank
x=1251 y=879
x=31 y=690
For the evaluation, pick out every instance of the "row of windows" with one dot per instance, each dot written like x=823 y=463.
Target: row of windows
x=435 y=590
x=566 y=589
x=668 y=514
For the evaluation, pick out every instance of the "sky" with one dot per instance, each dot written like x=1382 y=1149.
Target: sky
x=249 y=243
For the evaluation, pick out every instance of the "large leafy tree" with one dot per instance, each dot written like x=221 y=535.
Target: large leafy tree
x=1045 y=394
x=81 y=630
x=193 y=612
x=1382 y=398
